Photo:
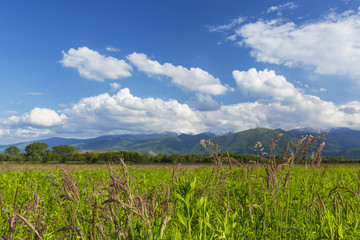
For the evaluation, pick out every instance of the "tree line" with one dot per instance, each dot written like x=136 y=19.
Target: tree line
x=40 y=152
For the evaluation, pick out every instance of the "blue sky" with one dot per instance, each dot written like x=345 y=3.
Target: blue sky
x=89 y=68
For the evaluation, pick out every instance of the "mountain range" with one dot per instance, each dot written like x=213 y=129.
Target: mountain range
x=338 y=142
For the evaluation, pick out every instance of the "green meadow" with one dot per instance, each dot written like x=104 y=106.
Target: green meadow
x=179 y=202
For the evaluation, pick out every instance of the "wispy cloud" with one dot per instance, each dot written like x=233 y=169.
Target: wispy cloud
x=115 y=86
x=18 y=101
x=229 y=26
x=281 y=7
x=11 y=112
x=111 y=49
x=34 y=93
x=232 y=37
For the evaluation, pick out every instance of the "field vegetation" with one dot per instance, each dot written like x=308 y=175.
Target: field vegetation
x=270 y=199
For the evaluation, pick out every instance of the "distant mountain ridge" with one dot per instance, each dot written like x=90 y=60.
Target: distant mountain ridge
x=339 y=142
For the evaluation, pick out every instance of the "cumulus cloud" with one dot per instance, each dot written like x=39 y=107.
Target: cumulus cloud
x=330 y=45
x=40 y=117
x=123 y=112
x=289 y=107
x=193 y=79
x=264 y=84
x=94 y=66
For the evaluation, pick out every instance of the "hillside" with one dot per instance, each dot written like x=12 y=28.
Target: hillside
x=243 y=142
x=339 y=141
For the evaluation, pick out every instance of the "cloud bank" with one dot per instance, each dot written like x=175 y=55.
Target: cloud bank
x=329 y=45
x=280 y=105
x=40 y=117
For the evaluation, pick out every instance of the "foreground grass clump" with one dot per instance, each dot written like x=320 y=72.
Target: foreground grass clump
x=181 y=203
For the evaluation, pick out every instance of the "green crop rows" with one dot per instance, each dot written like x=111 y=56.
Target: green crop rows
x=217 y=202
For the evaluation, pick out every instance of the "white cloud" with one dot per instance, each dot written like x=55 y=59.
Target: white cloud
x=3 y=132
x=92 y=65
x=111 y=49
x=350 y=108
x=272 y=9
x=124 y=112
x=319 y=90
x=115 y=86
x=232 y=37
x=288 y=107
x=193 y=79
x=330 y=45
x=23 y=133
x=264 y=84
x=30 y=132
x=289 y=5
x=40 y=117
x=229 y=26
x=204 y=102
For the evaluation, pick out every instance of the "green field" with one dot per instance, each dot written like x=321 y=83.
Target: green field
x=179 y=202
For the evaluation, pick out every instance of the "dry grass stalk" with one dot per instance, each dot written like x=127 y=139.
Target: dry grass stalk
x=31 y=218
x=175 y=167
x=2 y=207
x=121 y=186
x=358 y=183
x=38 y=236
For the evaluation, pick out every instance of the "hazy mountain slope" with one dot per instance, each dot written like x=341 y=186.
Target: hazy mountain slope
x=243 y=142
x=351 y=154
x=337 y=140
x=98 y=143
